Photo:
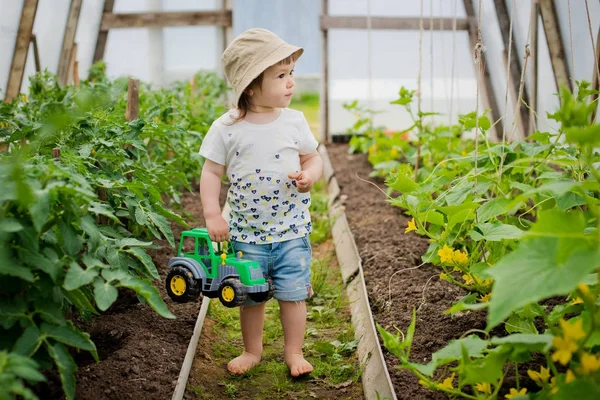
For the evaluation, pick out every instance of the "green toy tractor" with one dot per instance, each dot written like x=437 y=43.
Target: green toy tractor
x=215 y=271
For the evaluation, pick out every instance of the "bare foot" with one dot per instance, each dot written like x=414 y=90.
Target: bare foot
x=242 y=363
x=298 y=365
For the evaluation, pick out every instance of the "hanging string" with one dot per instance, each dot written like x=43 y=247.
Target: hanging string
x=596 y=67
x=571 y=40
x=431 y=53
x=419 y=92
x=510 y=38
x=369 y=66
x=453 y=63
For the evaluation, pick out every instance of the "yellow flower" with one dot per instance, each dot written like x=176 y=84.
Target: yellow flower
x=539 y=377
x=570 y=376
x=443 y=276
x=447 y=383
x=484 y=388
x=577 y=300
x=565 y=348
x=515 y=393
x=445 y=253
x=589 y=363
x=423 y=383
x=583 y=288
x=411 y=226
x=23 y=97
x=463 y=153
x=460 y=257
x=468 y=280
x=394 y=152
x=572 y=331
x=486 y=298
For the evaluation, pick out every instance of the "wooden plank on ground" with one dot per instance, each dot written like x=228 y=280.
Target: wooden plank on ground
x=19 y=58
x=163 y=19
x=555 y=44
x=398 y=23
x=64 y=62
x=515 y=66
x=103 y=34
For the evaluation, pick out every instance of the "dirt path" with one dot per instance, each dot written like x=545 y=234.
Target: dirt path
x=394 y=283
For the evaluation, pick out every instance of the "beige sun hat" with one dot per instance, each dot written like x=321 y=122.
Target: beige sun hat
x=250 y=54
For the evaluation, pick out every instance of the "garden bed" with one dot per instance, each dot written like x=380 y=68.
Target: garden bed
x=396 y=283
x=140 y=352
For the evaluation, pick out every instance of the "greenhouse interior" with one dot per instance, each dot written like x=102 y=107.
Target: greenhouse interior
x=300 y=199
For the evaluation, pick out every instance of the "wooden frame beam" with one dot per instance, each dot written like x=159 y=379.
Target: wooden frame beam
x=555 y=44
x=397 y=23
x=488 y=88
x=103 y=35
x=324 y=96
x=65 y=62
x=19 y=58
x=535 y=10
x=514 y=64
x=164 y=19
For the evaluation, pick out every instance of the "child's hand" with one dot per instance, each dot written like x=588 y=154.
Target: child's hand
x=304 y=180
x=218 y=230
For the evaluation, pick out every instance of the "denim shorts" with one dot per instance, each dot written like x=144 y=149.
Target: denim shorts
x=287 y=263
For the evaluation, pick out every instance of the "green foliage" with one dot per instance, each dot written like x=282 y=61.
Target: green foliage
x=515 y=224
x=75 y=228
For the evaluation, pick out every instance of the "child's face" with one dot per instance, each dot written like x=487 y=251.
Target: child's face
x=277 y=87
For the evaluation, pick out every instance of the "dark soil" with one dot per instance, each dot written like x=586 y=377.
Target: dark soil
x=396 y=280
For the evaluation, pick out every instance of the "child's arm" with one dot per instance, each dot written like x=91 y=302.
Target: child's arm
x=210 y=187
x=311 y=169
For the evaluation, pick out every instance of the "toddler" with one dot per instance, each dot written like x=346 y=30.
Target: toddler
x=269 y=155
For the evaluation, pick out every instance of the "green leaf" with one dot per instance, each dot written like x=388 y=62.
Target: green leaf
x=105 y=294
x=516 y=324
x=39 y=261
x=164 y=226
x=80 y=301
x=16 y=271
x=71 y=240
x=569 y=200
x=495 y=231
x=469 y=302
x=460 y=217
x=66 y=368
x=10 y=225
x=473 y=345
x=547 y=273
x=140 y=216
x=40 y=209
x=492 y=209
x=587 y=135
x=149 y=293
x=29 y=342
x=88 y=225
x=68 y=335
x=432 y=217
x=578 y=389
x=77 y=276
x=533 y=342
x=486 y=369
x=146 y=260
x=403 y=181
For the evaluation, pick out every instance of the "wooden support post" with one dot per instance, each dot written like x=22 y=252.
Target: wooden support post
x=596 y=75
x=514 y=63
x=72 y=61
x=535 y=15
x=488 y=88
x=56 y=153
x=64 y=62
x=133 y=97
x=19 y=58
x=36 y=54
x=555 y=44
x=324 y=97
x=103 y=34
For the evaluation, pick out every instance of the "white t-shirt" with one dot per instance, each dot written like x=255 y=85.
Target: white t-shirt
x=265 y=204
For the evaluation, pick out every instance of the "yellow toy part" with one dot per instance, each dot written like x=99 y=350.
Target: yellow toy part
x=178 y=285
x=223 y=257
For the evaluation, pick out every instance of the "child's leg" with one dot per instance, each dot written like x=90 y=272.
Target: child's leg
x=252 y=319
x=293 y=321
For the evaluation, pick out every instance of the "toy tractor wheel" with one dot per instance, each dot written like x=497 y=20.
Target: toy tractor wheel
x=232 y=293
x=181 y=285
x=263 y=296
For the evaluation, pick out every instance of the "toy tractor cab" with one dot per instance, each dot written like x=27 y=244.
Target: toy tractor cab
x=214 y=270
